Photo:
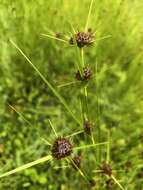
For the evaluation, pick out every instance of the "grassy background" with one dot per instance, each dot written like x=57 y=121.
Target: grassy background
x=120 y=81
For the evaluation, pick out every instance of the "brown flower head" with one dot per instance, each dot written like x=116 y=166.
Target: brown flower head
x=84 y=38
x=87 y=127
x=61 y=148
x=106 y=169
x=86 y=75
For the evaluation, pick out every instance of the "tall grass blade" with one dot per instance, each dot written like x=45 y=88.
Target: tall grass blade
x=44 y=159
x=55 y=92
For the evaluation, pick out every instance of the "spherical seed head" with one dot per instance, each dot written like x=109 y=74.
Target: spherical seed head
x=87 y=73
x=84 y=38
x=61 y=148
x=106 y=169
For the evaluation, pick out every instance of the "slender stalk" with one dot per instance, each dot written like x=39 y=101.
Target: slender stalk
x=45 y=141
x=20 y=114
x=89 y=13
x=55 y=38
x=74 y=134
x=90 y=146
x=68 y=84
x=98 y=115
x=117 y=182
x=55 y=92
x=53 y=128
x=41 y=160
x=108 y=146
x=79 y=170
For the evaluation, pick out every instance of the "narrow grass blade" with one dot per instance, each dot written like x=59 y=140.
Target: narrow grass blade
x=79 y=170
x=68 y=84
x=44 y=159
x=61 y=167
x=117 y=182
x=97 y=171
x=108 y=147
x=55 y=92
x=20 y=114
x=47 y=142
x=102 y=38
x=89 y=146
x=88 y=16
x=55 y=38
x=53 y=128
x=76 y=133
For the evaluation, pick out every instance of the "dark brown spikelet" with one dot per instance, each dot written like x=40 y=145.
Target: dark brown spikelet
x=84 y=38
x=106 y=169
x=71 y=41
x=86 y=75
x=58 y=35
x=61 y=148
x=92 y=182
x=77 y=161
x=78 y=76
x=109 y=184
x=87 y=127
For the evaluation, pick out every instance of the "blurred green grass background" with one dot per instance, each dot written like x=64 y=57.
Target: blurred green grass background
x=120 y=82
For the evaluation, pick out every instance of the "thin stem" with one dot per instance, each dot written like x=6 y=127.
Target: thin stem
x=20 y=114
x=53 y=128
x=76 y=133
x=117 y=182
x=90 y=146
x=102 y=38
x=68 y=84
x=61 y=167
x=47 y=142
x=89 y=13
x=98 y=114
x=55 y=38
x=79 y=170
x=41 y=160
x=108 y=146
x=82 y=58
x=55 y=92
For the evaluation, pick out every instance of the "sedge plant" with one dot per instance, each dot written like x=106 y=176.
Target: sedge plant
x=62 y=147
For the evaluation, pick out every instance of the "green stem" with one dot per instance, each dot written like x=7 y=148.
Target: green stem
x=98 y=116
